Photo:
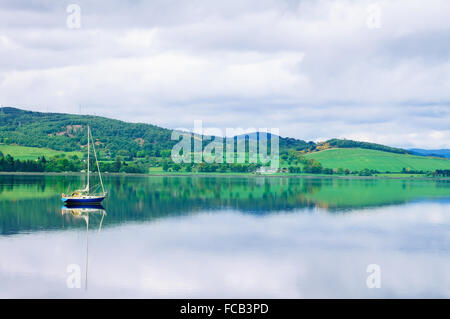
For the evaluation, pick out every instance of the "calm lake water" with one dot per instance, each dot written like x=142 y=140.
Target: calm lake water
x=229 y=237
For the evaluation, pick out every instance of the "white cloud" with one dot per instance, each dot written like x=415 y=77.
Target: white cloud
x=312 y=68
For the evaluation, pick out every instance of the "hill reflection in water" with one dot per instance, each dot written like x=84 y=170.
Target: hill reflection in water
x=31 y=202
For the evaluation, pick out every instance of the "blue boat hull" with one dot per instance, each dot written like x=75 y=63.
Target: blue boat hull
x=76 y=206
x=81 y=201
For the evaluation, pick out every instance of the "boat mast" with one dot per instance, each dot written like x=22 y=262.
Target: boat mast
x=87 y=187
x=96 y=161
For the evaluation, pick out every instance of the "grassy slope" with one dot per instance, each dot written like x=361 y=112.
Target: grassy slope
x=32 y=153
x=358 y=159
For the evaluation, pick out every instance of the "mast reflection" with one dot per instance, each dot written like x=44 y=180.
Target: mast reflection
x=84 y=212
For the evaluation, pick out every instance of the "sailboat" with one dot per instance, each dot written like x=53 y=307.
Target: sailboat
x=84 y=196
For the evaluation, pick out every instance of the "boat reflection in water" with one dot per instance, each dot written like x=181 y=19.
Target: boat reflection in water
x=84 y=212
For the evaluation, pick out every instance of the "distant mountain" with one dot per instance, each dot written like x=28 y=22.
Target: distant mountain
x=445 y=153
x=285 y=143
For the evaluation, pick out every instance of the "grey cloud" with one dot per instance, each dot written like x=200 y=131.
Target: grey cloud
x=311 y=68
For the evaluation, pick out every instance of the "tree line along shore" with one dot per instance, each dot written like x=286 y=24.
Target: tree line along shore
x=292 y=164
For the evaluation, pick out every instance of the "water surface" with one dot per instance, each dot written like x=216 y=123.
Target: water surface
x=226 y=237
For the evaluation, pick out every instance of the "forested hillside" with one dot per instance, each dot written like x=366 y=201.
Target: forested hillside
x=66 y=132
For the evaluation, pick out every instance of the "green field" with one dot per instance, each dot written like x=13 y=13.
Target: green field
x=359 y=159
x=32 y=153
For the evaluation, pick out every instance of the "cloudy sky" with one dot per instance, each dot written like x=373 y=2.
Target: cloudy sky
x=370 y=70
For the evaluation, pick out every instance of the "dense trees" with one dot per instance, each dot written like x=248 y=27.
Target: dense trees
x=442 y=172
x=9 y=164
x=295 y=169
x=169 y=166
x=62 y=164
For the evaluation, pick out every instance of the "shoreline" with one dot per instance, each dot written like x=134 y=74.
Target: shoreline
x=310 y=176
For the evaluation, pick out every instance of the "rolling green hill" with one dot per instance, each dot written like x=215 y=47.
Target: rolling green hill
x=66 y=132
x=359 y=159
